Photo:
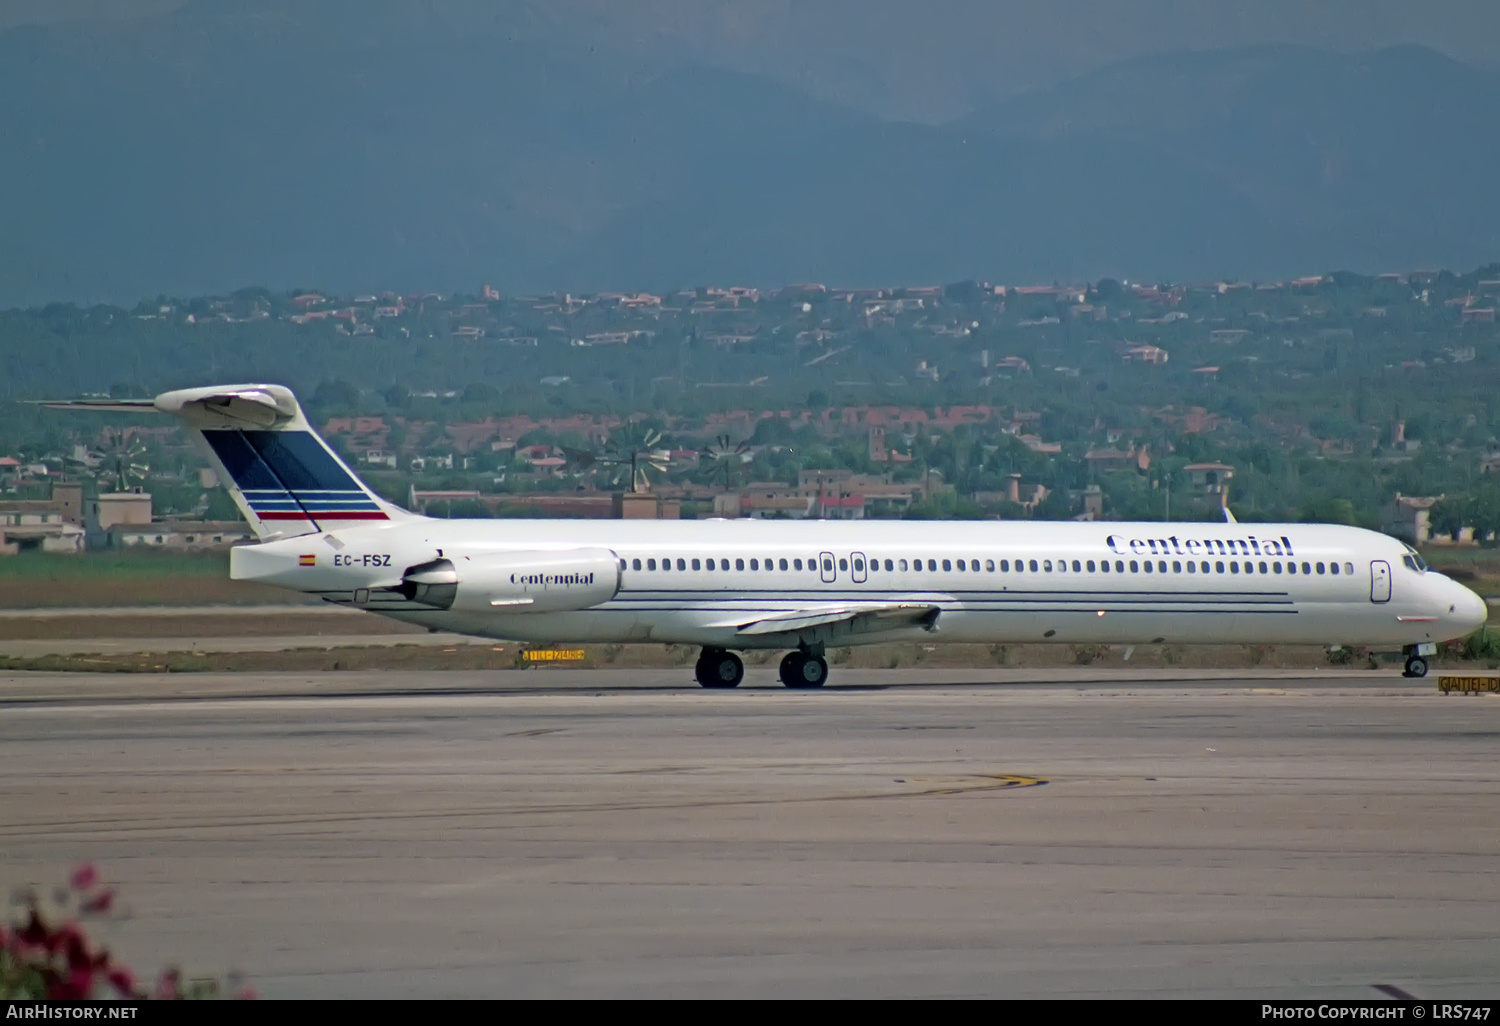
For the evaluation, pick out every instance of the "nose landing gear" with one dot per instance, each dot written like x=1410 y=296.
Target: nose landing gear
x=1416 y=661
x=719 y=669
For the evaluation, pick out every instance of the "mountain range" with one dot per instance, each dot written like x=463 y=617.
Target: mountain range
x=357 y=147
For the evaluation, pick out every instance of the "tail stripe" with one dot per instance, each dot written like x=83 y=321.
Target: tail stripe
x=288 y=475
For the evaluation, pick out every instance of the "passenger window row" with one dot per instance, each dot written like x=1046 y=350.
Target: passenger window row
x=1048 y=566
x=720 y=564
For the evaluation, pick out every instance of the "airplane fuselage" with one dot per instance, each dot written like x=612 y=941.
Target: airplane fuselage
x=701 y=582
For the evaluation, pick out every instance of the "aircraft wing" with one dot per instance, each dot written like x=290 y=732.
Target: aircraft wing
x=861 y=618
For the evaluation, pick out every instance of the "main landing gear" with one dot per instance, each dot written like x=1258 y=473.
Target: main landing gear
x=719 y=669
x=801 y=670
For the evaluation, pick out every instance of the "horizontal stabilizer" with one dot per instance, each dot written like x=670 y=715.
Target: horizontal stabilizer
x=100 y=405
x=862 y=618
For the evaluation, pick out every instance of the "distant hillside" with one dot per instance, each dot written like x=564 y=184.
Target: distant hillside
x=226 y=146
x=1382 y=159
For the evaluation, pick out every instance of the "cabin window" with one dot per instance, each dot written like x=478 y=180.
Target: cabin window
x=889 y=566
x=782 y=563
x=1333 y=568
x=1320 y=567
x=681 y=563
x=902 y=565
x=697 y=564
x=1135 y=567
x=962 y=566
x=1263 y=568
x=710 y=564
x=1234 y=566
x=1146 y=565
x=1192 y=567
x=1104 y=566
x=1033 y=566
x=755 y=564
x=1005 y=565
x=989 y=566
x=1249 y=567
x=932 y=566
x=635 y=564
x=1119 y=566
x=1089 y=566
x=1276 y=567
x=843 y=563
x=859 y=565
x=1077 y=566
x=796 y=564
x=828 y=564
x=1219 y=567
x=947 y=564
x=650 y=564
x=1349 y=568
x=1176 y=566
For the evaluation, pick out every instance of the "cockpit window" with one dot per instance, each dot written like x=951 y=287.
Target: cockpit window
x=1414 y=563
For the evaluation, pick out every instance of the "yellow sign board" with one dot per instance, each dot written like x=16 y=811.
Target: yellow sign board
x=552 y=655
x=1468 y=685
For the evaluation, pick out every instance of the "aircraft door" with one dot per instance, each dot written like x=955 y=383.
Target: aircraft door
x=857 y=567
x=827 y=568
x=1380 y=581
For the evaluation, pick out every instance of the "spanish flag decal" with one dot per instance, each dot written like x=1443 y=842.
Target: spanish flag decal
x=307 y=559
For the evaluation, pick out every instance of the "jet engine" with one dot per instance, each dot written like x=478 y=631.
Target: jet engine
x=515 y=582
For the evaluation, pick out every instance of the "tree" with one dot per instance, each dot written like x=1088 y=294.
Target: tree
x=335 y=395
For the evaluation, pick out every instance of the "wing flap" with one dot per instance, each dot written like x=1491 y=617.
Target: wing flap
x=862 y=618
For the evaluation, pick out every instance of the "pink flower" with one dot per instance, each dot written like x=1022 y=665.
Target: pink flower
x=69 y=939
x=100 y=902
x=35 y=931
x=84 y=877
x=123 y=980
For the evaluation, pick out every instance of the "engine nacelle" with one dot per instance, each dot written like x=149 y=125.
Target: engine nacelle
x=516 y=582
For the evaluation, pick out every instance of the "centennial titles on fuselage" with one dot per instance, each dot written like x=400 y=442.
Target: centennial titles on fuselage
x=1175 y=546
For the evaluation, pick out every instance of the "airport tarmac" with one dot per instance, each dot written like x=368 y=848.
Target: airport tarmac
x=900 y=833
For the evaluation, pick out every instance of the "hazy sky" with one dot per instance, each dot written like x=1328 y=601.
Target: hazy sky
x=921 y=59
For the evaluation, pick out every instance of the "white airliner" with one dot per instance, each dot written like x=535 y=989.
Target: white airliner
x=733 y=585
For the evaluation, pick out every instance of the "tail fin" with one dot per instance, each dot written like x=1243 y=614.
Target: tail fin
x=284 y=478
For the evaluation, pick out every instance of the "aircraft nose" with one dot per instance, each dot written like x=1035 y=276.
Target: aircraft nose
x=1468 y=609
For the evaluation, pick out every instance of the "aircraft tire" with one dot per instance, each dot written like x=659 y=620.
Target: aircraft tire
x=719 y=670
x=1416 y=666
x=806 y=672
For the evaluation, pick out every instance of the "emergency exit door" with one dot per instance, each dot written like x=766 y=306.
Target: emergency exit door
x=1380 y=581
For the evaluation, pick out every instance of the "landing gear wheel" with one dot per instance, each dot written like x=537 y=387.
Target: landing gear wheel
x=1416 y=666
x=719 y=669
x=803 y=671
